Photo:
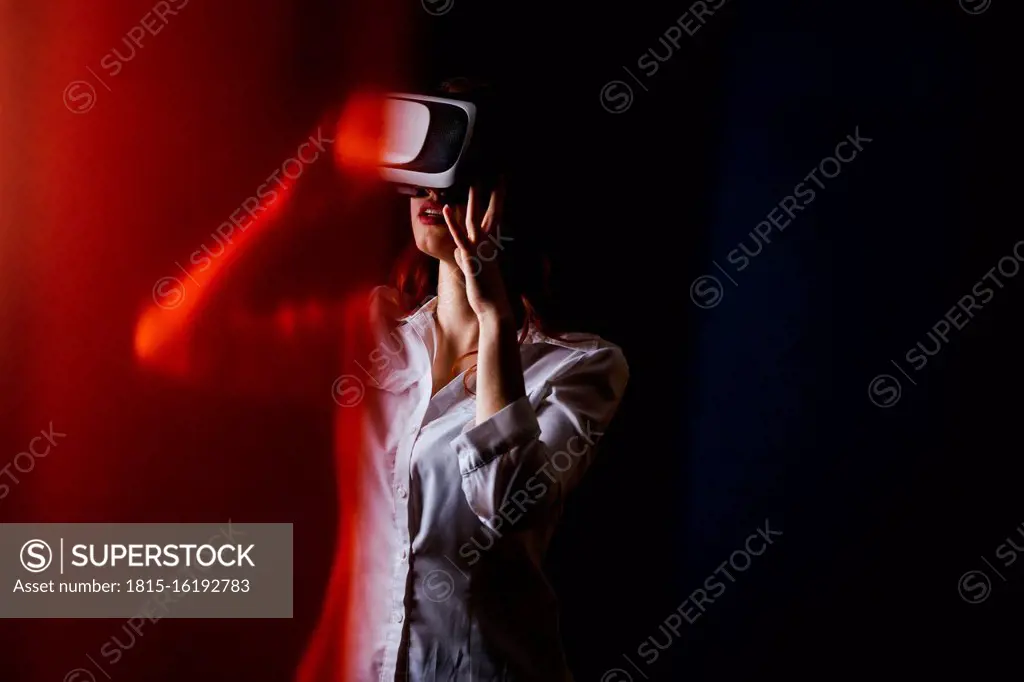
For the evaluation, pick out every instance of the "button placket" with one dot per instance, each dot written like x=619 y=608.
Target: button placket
x=402 y=477
x=400 y=577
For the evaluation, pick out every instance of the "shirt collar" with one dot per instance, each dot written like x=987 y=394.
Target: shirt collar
x=428 y=308
x=422 y=323
x=420 y=318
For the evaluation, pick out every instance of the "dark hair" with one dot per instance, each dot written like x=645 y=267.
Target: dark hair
x=524 y=266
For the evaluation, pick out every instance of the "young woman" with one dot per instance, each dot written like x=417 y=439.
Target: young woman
x=474 y=424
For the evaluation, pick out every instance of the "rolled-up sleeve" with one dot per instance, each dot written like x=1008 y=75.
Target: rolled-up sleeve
x=524 y=459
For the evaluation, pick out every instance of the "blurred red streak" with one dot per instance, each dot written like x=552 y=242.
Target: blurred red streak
x=83 y=254
x=160 y=322
x=361 y=134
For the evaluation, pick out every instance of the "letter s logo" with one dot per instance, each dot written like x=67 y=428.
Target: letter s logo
x=36 y=556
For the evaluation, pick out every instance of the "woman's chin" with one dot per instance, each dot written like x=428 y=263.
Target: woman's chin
x=437 y=246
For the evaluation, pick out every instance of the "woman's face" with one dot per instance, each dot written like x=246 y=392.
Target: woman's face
x=429 y=227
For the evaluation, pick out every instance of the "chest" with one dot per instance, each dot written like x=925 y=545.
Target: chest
x=441 y=372
x=446 y=366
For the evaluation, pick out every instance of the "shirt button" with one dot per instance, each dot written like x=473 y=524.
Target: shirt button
x=401 y=492
x=405 y=554
x=397 y=617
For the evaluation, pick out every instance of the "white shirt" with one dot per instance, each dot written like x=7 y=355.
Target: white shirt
x=452 y=519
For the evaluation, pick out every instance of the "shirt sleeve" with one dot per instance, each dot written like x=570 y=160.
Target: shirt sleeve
x=524 y=459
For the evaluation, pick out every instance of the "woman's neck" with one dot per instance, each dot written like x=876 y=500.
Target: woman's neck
x=460 y=328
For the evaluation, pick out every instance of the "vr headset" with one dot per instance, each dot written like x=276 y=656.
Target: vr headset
x=438 y=143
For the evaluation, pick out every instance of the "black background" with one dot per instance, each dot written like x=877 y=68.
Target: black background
x=758 y=408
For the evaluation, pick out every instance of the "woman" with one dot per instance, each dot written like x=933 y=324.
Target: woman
x=474 y=426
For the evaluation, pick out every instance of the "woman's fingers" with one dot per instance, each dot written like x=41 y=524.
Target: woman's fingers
x=472 y=208
x=454 y=227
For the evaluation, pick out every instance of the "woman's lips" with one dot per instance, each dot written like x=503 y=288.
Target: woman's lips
x=430 y=214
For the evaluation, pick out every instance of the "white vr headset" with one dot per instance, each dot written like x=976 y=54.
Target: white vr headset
x=433 y=143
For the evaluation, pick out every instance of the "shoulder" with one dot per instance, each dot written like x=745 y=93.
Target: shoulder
x=384 y=303
x=579 y=357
